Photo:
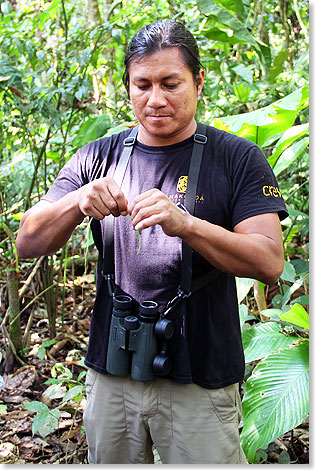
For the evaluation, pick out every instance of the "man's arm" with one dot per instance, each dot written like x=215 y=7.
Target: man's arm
x=254 y=249
x=48 y=225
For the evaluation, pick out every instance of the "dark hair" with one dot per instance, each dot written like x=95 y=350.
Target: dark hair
x=159 y=35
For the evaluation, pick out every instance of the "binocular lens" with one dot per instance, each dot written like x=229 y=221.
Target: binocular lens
x=131 y=323
x=161 y=364
x=164 y=329
x=122 y=302
x=148 y=311
x=148 y=307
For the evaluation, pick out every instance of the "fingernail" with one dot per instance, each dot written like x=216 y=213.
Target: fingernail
x=124 y=213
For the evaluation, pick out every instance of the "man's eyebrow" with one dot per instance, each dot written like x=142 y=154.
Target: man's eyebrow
x=167 y=77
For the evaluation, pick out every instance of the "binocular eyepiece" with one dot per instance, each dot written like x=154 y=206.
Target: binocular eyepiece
x=133 y=340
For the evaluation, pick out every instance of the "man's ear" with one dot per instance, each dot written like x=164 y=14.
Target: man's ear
x=200 y=80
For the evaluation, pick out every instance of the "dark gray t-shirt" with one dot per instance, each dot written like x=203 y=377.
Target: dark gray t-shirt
x=235 y=182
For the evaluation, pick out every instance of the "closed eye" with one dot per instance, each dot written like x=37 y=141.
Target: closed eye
x=171 y=86
x=143 y=87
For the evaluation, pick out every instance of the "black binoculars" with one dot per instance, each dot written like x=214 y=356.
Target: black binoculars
x=134 y=341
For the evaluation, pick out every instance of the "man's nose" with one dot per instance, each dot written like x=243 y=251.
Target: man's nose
x=156 y=98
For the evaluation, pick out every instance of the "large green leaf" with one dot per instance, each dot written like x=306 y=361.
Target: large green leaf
x=290 y=155
x=288 y=138
x=235 y=6
x=240 y=32
x=263 y=339
x=93 y=128
x=297 y=315
x=260 y=125
x=218 y=35
x=276 y=397
x=223 y=16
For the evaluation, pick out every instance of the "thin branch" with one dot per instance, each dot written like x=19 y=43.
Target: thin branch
x=297 y=12
x=27 y=283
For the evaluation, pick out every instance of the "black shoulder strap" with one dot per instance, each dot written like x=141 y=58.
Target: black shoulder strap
x=108 y=270
x=186 y=285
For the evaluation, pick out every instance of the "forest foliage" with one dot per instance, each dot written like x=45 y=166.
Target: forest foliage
x=61 y=67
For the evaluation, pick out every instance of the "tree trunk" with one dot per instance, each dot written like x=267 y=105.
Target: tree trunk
x=93 y=12
x=284 y=19
x=14 y=336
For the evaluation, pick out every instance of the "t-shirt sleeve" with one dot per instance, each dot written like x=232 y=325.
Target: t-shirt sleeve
x=255 y=188
x=86 y=164
x=69 y=179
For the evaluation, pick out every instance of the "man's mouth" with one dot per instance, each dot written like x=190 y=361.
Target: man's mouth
x=158 y=116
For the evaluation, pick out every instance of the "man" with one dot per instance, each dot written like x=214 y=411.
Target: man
x=192 y=414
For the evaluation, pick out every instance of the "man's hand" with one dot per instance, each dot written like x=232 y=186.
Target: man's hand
x=154 y=208
x=48 y=225
x=100 y=198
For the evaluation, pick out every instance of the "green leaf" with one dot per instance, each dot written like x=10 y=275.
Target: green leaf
x=297 y=315
x=55 y=391
x=243 y=314
x=235 y=6
x=219 y=36
x=92 y=129
x=301 y=266
x=263 y=339
x=296 y=213
x=244 y=72
x=277 y=66
x=242 y=92
x=81 y=375
x=290 y=155
x=37 y=406
x=273 y=313
x=49 y=342
x=243 y=286
x=41 y=353
x=288 y=273
x=3 y=409
x=260 y=125
x=117 y=129
x=302 y=299
x=138 y=236
x=276 y=397
x=45 y=423
x=287 y=139
x=223 y=16
x=73 y=392
x=284 y=458
x=295 y=286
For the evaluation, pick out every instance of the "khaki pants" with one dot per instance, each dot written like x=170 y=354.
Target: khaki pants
x=188 y=424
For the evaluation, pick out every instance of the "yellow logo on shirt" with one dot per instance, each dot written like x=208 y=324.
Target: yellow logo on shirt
x=182 y=190
x=182 y=184
x=271 y=191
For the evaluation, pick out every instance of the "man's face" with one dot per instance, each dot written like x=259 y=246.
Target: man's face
x=164 y=96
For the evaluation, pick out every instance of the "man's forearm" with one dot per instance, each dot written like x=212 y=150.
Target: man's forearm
x=46 y=227
x=253 y=255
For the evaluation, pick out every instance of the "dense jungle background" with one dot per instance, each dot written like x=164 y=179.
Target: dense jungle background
x=61 y=65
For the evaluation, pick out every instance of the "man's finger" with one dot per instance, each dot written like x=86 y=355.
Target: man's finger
x=118 y=204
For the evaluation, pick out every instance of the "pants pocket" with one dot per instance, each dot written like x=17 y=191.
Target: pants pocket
x=90 y=380
x=224 y=403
